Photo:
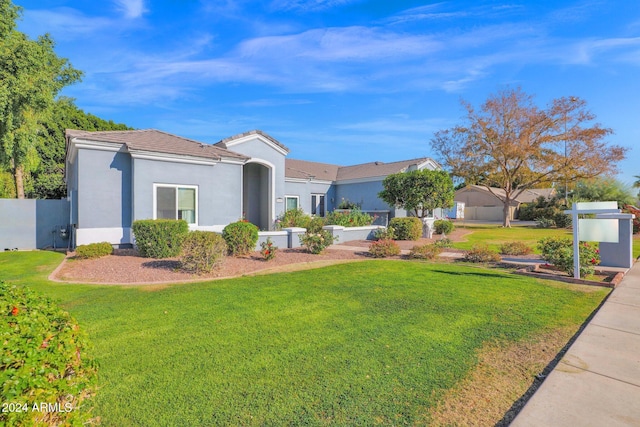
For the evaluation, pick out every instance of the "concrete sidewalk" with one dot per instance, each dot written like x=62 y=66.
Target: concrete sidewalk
x=597 y=382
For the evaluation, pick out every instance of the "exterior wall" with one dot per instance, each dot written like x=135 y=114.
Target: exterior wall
x=33 y=224
x=485 y=213
x=476 y=198
x=256 y=203
x=305 y=189
x=364 y=193
x=219 y=189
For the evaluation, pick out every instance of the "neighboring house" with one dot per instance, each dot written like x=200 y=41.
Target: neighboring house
x=481 y=204
x=116 y=177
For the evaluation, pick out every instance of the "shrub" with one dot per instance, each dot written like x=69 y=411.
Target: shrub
x=384 y=248
x=384 y=233
x=515 y=248
x=202 y=252
x=241 y=237
x=346 y=204
x=429 y=251
x=160 y=238
x=562 y=220
x=409 y=228
x=481 y=253
x=94 y=250
x=545 y=222
x=293 y=218
x=559 y=252
x=445 y=242
x=317 y=242
x=268 y=250
x=443 y=226
x=351 y=218
x=44 y=361
x=316 y=224
x=636 y=221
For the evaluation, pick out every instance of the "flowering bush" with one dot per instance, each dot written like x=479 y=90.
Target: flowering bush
x=384 y=248
x=268 y=250
x=202 y=252
x=429 y=251
x=481 y=253
x=317 y=242
x=293 y=218
x=241 y=237
x=350 y=218
x=44 y=361
x=559 y=252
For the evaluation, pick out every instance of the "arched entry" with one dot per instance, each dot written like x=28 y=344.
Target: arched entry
x=256 y=194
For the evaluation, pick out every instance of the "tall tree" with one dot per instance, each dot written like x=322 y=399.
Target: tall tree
x=31 y=76
x=510 y=143
x=601 y=189
x=418 y=191
x=48 y=179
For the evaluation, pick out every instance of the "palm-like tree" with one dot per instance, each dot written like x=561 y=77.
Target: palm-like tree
x=637 y=183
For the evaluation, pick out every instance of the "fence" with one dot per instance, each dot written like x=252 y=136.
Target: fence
x=34 y=224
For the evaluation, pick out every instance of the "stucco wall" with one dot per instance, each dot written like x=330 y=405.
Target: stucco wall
x=33 y=224
x=304 y=190
x=365 y=193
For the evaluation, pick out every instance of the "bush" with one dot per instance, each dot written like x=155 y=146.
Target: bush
x=346 y=204
x=317 y=242
x=160 y=238
x=429 y=251
x=241 y=237
x=268 y=250
x=384 y=248
x=384 y=233
x=559 y=252
x=44 y=361
x=351 y=218
x=636 y=221
x=445 y=242
x=316 y=224
x=409 y=228
x=293 y=218
x=202 y=252
x=94 y=250
x=481 y=253
x=515 y=248
x=443 y=226
x=562 y=220
x=545 y=222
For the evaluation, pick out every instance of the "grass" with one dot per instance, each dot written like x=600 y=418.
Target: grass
x=495 y=235
x=375 y=342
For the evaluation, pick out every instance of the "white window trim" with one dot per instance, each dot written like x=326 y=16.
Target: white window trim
x=324 y=208
x=291 y=197
x=176 y=186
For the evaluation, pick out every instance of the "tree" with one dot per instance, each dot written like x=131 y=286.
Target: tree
x=603 y=189
x=512 y=144
x=48 y=178
x=31 y=76
x=419 y=191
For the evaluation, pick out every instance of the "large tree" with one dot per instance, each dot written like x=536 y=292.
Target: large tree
x=511 y=144
x=418 y=191
x=31 y=76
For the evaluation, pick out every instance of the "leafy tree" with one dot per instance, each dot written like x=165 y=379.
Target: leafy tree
x=603 y=189
x=419 y=191
x=31 y=76
x=48 y=178
x=512 y=144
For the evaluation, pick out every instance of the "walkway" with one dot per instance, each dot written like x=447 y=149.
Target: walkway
x=597 y=382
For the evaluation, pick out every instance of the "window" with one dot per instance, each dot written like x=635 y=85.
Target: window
x=176 y=202
x=317 y=204
x=291 y=202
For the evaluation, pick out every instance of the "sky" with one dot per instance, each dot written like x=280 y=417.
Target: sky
x=342 y=81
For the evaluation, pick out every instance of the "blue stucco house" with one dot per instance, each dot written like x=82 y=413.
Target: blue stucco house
x=116 y=177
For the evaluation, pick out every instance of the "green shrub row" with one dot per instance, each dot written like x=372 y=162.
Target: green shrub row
x=94 y=250
x=202 y=252
x=44 y=361
x=350 y=218
x=409 y=228
x=160 y=238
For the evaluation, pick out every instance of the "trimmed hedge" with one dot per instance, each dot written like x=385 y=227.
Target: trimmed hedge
x=94 y=250
x=202 y=252
x=409 y=228
x=44 y=362
x=160 y=238
x=241 y=237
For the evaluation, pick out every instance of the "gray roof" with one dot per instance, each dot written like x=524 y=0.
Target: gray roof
x=157 y=141
x=328 y=172
x=223 y=143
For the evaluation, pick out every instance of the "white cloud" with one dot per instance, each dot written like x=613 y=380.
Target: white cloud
x=309 y=5
x=63 y=23
x=131 y=8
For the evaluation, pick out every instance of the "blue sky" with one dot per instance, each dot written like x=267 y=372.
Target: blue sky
x=342 y=81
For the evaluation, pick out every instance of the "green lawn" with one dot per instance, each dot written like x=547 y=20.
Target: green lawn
x=495 y=235
x=373 y=342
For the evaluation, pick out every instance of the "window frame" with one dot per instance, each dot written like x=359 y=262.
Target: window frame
x=176 y=187
x=315 y=205
x=297 y=198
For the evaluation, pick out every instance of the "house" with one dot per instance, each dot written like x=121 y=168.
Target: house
x=482 y=204
x=116 y=177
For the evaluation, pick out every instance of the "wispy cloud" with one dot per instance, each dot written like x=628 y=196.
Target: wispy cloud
x=64 y=23
x=131 y=8
x=309 y=5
